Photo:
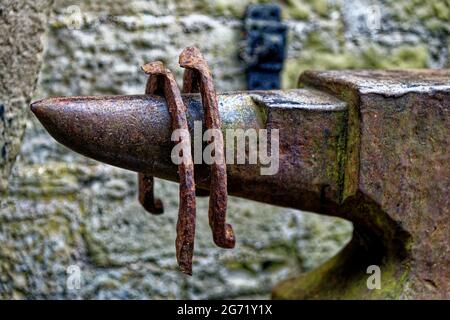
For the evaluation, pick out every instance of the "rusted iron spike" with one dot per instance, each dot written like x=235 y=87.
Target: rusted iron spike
x=191 y=58
x=155 y=85
x=186 y=214
x=191 y=84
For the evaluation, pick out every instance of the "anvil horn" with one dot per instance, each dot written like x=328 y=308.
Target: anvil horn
x=133 y=132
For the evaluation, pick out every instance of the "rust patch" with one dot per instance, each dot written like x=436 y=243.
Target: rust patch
x=191 y=84
x=186 y=214
x=200 y=76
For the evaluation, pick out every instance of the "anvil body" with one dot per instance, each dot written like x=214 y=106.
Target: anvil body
x=368 y=146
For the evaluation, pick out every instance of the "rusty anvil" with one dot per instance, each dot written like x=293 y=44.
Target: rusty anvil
x=367 y=146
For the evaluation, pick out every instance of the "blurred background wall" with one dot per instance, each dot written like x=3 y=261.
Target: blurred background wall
x=65 y=210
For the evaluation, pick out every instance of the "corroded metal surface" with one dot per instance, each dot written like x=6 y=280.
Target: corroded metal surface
x=396 y=185
x=388 y=83
x=223 y=234
x=191 y=84
x=117 y=130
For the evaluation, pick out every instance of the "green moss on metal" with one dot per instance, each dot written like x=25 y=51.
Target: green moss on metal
x=334 y=171
x=341 y=151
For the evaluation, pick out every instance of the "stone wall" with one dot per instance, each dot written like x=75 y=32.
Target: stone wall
x=64 y=209
x=22 y=25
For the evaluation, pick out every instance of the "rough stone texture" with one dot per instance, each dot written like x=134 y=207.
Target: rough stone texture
x=109 y=40
x=64 y=209
x=22 y=25
x=87 y=215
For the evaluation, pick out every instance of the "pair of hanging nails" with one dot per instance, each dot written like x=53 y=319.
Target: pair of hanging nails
x=197 y=78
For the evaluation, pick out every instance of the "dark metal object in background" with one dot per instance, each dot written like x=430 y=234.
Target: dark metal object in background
x=186 y=214
x=265 y=50
x=191 y=58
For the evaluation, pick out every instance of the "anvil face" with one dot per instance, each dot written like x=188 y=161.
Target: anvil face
x=369 y=146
